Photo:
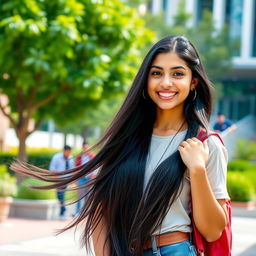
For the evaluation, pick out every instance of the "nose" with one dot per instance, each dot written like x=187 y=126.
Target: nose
x=166 y=81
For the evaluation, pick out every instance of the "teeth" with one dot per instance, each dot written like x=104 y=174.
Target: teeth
x=166 y=94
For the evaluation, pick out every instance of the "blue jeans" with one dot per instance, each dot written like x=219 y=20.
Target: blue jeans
x=61 y=198
x=184 y=248
x=81 y=193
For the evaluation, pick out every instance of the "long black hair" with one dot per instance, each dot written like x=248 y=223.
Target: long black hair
x=116 y=194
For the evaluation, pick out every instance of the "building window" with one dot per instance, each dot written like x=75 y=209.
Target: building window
x=165 y=5
x=254 y=31
x=203 y=5
x=233 y=18
x=150 y=6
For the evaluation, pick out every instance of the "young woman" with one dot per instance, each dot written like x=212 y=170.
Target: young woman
x=151 y=163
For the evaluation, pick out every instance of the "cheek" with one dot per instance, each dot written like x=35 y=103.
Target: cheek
x=184 y=88
x=150 y=86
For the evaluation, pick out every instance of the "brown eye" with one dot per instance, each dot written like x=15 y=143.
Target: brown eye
x=155 y=73
x=178 y=74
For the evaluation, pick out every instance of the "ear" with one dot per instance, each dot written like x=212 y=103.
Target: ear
x=194 y=83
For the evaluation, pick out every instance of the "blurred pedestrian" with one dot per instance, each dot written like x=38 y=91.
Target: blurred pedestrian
x=60 y=162
x=84 y=157
x=152 y=165
x=223 y=124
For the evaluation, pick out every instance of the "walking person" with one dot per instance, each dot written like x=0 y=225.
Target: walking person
x=84 y=157
x=151 y=164
x=60 y=162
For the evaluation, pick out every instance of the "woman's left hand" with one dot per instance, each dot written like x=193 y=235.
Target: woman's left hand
x=194 y=153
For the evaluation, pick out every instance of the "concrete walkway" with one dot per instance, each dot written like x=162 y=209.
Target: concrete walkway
x=21 y=237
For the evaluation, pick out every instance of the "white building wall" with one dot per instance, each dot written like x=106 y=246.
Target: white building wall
x=219 y=12
x=41 y=139
x=156 y=7
x=247 y=28
x=191 y=8
x=172 y=9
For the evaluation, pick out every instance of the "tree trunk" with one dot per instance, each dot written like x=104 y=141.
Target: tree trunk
x=85 y=132
x=22 y=155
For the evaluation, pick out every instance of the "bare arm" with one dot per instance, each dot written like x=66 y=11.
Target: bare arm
x=209 y=214
x=100 y=245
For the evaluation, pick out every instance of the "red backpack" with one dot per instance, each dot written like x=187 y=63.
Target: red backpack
x=222 y=246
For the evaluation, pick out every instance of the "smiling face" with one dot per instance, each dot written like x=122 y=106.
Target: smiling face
x=170 y=81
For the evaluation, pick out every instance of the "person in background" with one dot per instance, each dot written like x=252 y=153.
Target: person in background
x=223 y=124
x=84 y=157
x=60 y=162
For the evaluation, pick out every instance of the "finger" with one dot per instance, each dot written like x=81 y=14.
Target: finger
x=195 y=139
x=180 y=148
x=184 y=144
x=189 y=140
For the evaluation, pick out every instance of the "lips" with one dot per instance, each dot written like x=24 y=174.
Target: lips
x=166 y=95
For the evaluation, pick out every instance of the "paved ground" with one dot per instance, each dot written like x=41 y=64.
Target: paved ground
x=20 y=237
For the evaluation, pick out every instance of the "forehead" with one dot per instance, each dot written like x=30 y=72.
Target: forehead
x=169 y=59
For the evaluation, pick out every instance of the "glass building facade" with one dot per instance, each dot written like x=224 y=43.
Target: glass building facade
x=233 y=18
x=254 y=30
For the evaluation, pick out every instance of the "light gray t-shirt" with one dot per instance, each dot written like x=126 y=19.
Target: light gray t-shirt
x=177 y=218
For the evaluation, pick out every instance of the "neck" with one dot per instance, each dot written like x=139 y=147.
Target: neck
x=168 y=122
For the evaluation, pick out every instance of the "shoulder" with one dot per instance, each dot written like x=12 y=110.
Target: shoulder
x=57 y=155
x=214 y=141
x=216 y=147
x=228 y=122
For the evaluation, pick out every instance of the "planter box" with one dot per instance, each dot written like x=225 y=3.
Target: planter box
x=5 y=203
x=244 y=209
x=34 y=209
x=245 y=205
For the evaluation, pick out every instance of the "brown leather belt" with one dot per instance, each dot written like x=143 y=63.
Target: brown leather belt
x=167 y=239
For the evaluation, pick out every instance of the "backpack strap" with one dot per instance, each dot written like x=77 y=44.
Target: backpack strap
x=199 y=241
x=203 y=135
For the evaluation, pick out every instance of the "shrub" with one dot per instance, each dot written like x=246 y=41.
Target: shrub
x=240 y=187
x=24 y=192
x=251 y=175
x=8 y=185
x=245 y=150
x=241 y=165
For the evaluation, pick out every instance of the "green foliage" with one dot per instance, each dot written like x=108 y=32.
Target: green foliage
x=246 y=150
x=241 y=165
x=37 y=158
x=96 y=117
x=59 y=58
x=24 y=192
x=251 y=175
x=71 y=195
x=7 y=183
x=240 y=188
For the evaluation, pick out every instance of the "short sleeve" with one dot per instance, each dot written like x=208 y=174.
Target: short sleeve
x=217 y=167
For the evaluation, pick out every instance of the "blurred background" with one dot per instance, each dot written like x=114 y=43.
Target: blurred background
x=66 y=66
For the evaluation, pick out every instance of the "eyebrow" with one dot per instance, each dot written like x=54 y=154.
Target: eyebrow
x=176 y=67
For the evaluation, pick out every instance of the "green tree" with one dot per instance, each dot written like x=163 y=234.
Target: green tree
x=215 y=47
x=61 y=57
x=95 y=118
